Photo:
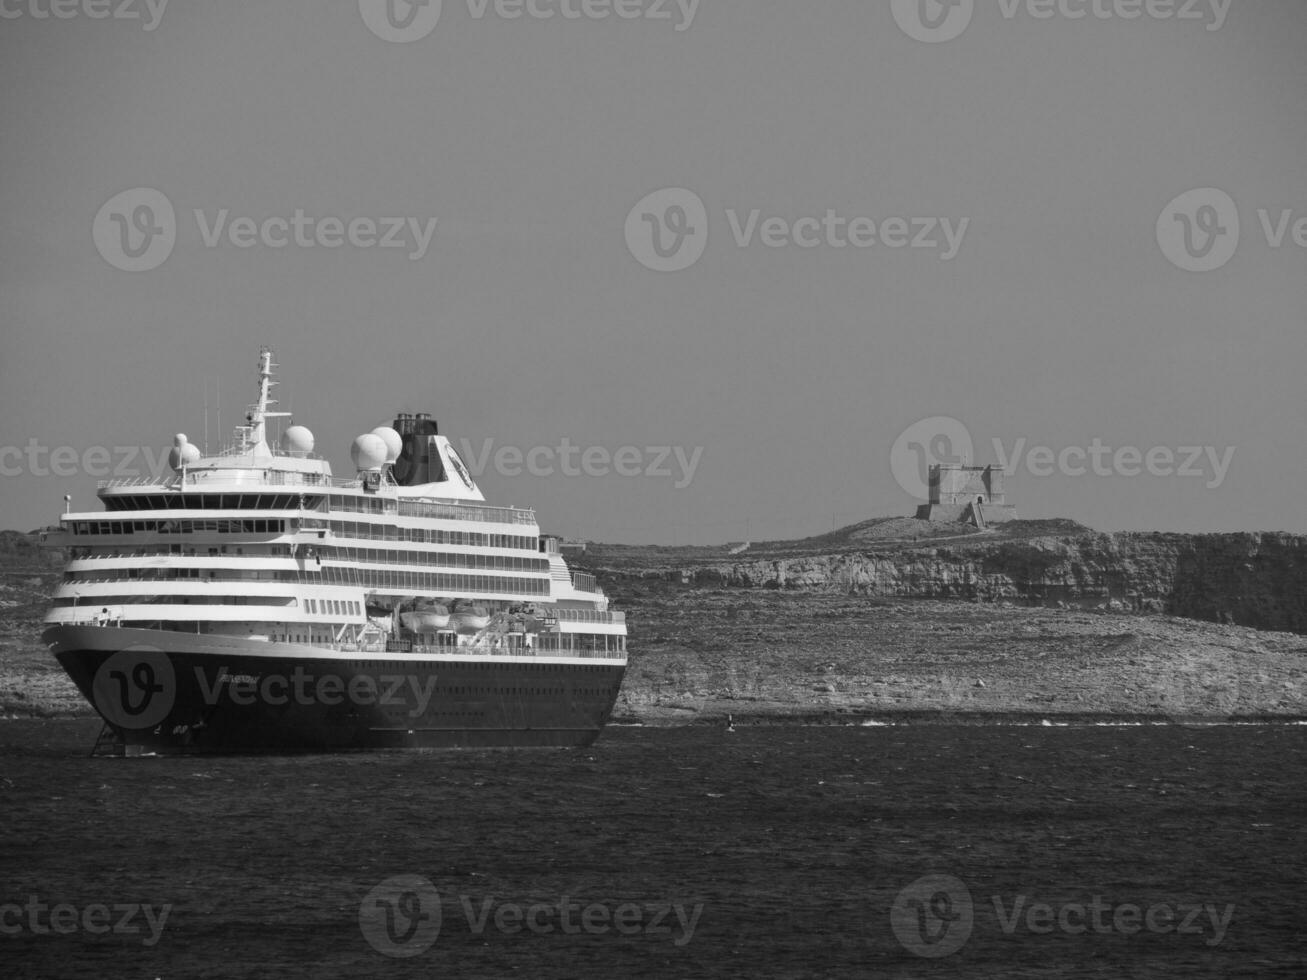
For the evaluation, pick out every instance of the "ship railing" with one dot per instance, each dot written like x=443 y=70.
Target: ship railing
x=588 y=616
x=166 y=483
x=584 y=582
x=293 y=478
x=450 y=510
x=407 y=507
x=405 y=646
x=165 y=551
x=274 y=477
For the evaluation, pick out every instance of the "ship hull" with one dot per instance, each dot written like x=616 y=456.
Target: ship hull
x=167 y=692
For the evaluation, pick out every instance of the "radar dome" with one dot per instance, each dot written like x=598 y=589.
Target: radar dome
x=393 y=440
x=183 y=452
x=368 y=452
x=297 y=439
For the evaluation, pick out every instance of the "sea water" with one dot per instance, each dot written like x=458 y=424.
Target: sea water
x=897 y=851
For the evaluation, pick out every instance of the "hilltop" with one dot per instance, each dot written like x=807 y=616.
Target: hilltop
x=877 y=532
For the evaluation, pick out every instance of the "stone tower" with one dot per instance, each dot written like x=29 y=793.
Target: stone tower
x=967 y=495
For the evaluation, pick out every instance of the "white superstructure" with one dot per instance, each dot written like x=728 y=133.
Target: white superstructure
x=261 y=542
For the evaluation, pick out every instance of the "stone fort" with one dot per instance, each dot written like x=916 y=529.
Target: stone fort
x=966 y=495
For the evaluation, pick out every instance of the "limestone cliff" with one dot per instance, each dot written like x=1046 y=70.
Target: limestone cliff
x=1257 y=580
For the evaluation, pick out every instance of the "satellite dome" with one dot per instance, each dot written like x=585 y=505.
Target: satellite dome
x=297 y=439
x=393 y=440
x=183 y=452
x=368 y=452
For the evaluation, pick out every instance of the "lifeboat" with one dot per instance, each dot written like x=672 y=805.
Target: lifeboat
x=429 y=618
x=469 y=619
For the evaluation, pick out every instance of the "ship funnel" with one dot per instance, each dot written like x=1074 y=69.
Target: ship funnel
x=416 y=463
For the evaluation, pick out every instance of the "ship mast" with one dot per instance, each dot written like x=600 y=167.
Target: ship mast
x=252 y=436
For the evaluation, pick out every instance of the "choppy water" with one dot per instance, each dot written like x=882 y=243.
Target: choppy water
x=771 y=852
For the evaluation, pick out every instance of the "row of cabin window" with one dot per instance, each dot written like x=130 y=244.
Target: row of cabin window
x=437 y=582
x=172 y=574
x=333 y=607
x=146 y=551
x=425 y=508
x=174 y=600
x=251 y=574
x=349 y=529
x=465 y=512
x=379 y=556
x=335 y=502
x=422 y=535
x=215 y=526
x=208 y=501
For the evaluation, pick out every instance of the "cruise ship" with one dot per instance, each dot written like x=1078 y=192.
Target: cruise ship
x=252 y=602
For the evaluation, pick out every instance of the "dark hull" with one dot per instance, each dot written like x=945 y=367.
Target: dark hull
x=168 y=692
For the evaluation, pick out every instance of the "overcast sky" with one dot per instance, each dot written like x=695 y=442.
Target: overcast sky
x=1034 y=292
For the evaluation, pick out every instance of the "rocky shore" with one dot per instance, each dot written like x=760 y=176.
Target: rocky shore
x=763 y=655
x=900 y=619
